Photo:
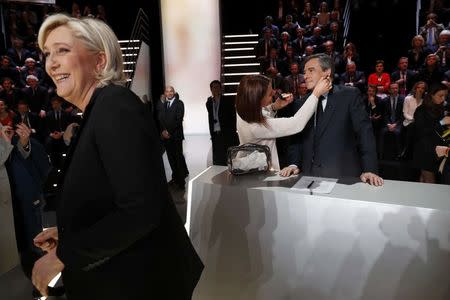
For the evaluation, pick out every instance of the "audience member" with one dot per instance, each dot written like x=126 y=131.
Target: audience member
x=429 y=122
x=172 y=134
x=222 y=123
x=392 y=121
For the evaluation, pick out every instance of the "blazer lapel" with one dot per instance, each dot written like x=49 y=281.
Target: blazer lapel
x=326 y=116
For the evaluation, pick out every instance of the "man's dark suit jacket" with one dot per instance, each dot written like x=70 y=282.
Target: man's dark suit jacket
x=358 y=80
x=52 y=124
x=37 y=100
x=387 y=110
x=343 y=144
x=410 y=79
x=171 y=119
x=227 y=118
x=120 y=236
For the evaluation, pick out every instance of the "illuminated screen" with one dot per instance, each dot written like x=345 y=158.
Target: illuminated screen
x=191 y=38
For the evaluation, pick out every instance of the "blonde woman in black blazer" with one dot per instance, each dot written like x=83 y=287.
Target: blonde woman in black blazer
x=119 y=235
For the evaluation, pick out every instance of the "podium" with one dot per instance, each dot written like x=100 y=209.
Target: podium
x=262 y=240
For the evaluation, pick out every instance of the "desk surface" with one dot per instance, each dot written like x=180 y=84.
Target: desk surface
x=433 y=196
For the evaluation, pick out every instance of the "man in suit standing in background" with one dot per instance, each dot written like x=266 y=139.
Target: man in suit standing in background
x=222 y=123
x=338 y=141
x=171 y=122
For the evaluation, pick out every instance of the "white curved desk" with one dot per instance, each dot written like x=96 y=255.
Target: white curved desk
x=261 y=240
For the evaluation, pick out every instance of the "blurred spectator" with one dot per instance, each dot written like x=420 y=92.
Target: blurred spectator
x=269 y=24
x=429 y=122
x=10 y=94
x=403 y=76
x=6 y=115
x=430 y=31
x=380 y=78
x=222 y=123
x=353 y=77
x=417 y=54
x=7 y=70
x=392 y=121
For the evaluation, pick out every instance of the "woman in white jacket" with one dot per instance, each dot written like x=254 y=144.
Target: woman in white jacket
x=255 y=113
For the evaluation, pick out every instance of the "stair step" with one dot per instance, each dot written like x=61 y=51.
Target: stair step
x=240 y=37
x=238 y=60
x=241 y=51
x=249 y=68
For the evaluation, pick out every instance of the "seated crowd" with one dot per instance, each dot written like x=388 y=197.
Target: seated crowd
x=390 y=96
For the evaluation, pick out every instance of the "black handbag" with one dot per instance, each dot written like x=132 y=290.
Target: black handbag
x=248 y=158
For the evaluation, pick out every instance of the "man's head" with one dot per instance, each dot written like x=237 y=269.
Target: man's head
x=22 y=107
x=32 y=81
x=294 y=68
x=56 y=103
x=393 y=89
x=302 y=89
x=216 y=88
x=169 y=92
x=317 y=66
x=403 y=63
x=351 y=68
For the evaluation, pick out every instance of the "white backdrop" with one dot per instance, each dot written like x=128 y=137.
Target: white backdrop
x=191 y=39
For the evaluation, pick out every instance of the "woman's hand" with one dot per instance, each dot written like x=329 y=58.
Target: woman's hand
x=45 y=269
x=442 y=151
x=282 y=102
x=446 y=120
x=24 y=134
x=322 y=87
x=7 y=133
x=47 y=239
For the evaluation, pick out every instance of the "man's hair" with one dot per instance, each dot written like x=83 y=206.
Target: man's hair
x=325 y=62
x=96 y=36
x=215 y=82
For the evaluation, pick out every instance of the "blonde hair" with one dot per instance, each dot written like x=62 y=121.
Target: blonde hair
x=96 y=37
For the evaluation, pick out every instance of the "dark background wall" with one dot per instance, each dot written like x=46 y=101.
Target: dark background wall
x=380 y=29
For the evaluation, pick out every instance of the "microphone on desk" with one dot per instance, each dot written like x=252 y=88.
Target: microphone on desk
x=309 y=187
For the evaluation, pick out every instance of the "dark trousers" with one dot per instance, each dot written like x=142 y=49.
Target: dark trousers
x=174 y=149
x=396 y=135
x=55 y=148
x=219 y=148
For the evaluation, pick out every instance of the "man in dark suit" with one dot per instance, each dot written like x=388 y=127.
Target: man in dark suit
x=264 y=45
x=404 y=77
x=222 y=123
x=393 y=119
x=338 y=141
x=56 y=122
x=171 y=121
x=353 y=77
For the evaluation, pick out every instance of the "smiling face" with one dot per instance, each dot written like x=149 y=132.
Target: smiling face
x=70 y=65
